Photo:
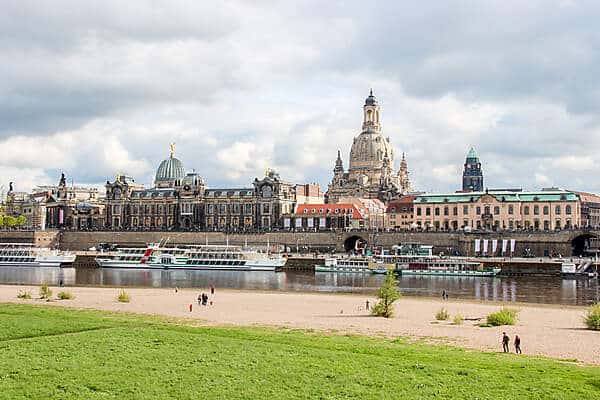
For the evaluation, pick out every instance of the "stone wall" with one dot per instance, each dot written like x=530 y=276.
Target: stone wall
x=539 y=243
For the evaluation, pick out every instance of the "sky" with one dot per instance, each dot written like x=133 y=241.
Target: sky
x=99 y=87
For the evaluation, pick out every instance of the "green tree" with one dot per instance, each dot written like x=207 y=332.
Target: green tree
x=21 y=220
x=1 y=220
x=387 y=295
x=10 y=221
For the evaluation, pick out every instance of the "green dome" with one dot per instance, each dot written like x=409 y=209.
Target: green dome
x=472 y=153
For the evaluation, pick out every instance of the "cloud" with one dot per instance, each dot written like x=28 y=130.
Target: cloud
x=99 y=87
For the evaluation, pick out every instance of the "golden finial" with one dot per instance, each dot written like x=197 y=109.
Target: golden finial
x=118 y=177
x=267 y=171
x=172 y=147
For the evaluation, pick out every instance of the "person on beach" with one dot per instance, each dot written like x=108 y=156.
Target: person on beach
x=199 y=298
x=443 y=294
x=367 y=304
x=518 y=344
x=505 y=341
x=212 y=290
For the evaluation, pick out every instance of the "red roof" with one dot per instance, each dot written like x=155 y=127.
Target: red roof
x=405 y=201
x=325 y=210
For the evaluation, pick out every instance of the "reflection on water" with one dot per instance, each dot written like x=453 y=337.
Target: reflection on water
x=521 y=289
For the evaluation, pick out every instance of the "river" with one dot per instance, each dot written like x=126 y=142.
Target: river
x=517 y=289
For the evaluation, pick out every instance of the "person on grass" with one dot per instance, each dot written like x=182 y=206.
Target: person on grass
x=505 y=341
x=518 y=344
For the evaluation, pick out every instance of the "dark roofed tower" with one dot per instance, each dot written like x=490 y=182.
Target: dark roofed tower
x=472 y=175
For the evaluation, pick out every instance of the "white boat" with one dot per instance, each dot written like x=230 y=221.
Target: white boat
x=363 y=265
x=205 y=257
x=436 y=266
x=27 y=255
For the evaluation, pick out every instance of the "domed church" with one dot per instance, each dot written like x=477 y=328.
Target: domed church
x=371 y=172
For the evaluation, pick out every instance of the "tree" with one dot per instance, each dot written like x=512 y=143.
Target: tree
x=21 y=220
x=1 y=220
x=9 y=221
x=387 y=295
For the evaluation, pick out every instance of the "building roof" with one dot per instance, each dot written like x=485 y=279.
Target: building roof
x=559 y=195
x=169 y=170
x=229 y=192
x=472 y=153
x=588 y=197
x=402 y=201
x=324 y=210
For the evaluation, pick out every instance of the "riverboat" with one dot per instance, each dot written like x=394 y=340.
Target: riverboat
x=27 y=255
x=362 y=265
x=201 y=257
x=584 y=270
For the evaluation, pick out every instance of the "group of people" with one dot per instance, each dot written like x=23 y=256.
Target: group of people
x=506 y=341
x=203 y=298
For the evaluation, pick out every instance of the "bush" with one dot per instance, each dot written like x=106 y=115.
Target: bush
x=506 y=316
x=45 y=292
x=65 y=296
x=123 y=297
x=24 y=294
x=592 y=317
x=387 y=294
x=458 y=319
x=442 y=315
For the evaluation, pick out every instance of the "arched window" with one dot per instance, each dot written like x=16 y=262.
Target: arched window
x=567 y=209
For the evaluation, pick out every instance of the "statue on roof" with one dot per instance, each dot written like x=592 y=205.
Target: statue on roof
x=63 y=180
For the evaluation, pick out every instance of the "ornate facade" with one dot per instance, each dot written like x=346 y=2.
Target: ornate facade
x=180 y=200
x=371 y=169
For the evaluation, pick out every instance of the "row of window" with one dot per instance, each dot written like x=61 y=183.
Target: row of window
x=328 y=211
x=188 y=208
x=487 y=210
x=537 y=224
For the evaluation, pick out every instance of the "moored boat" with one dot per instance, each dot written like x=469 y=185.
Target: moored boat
x=203 y=257
x=363 y=265
x=27 y=255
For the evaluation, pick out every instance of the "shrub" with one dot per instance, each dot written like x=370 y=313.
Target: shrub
x=387 y=294
x=45 y=292
x=458 y=319
x=24 y=294
x=442 y=315
x=65 y=296
x=123 y=297
x=592 y=317
x=506 y=316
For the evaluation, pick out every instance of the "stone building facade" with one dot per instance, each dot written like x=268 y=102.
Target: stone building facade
x=181 y=201
x=371 y=168
x=400 y=213
x=498 y=210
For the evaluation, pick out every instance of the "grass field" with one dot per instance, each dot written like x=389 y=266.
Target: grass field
x=56 y=353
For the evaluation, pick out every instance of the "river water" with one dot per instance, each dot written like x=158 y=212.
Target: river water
x=518 y=289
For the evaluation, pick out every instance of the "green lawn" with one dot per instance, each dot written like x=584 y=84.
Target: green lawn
x=57 y=353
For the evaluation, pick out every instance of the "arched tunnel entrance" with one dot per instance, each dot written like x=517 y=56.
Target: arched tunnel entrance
x=354 y=243
x=581 y=244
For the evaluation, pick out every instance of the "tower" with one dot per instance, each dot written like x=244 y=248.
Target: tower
x=403 y=178
x=371 y=114
x=472 y=174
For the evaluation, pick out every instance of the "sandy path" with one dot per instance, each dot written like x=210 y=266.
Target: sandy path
x=545 y=330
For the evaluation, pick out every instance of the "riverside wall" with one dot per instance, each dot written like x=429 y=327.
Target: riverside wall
x=447 y=242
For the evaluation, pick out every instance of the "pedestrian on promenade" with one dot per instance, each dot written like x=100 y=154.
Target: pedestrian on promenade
x=191 y=305
x=199 y=298
x=518 y=344
x=212 y=289
x=505 y=341
x=367 y=304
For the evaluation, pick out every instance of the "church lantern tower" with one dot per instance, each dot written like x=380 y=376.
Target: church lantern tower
x=371 y=114
x=472 y=174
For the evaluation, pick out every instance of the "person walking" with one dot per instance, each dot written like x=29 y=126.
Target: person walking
x=212 y=289
x=518 y=344
x=367 y=304
x=443 y=294
x=505 y=341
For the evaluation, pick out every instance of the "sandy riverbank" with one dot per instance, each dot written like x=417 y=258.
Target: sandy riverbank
x=551 y=331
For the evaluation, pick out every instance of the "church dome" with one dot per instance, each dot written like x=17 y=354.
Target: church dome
x=170 y=170
x=472 y=154
x=369 y=149
x=371 y=100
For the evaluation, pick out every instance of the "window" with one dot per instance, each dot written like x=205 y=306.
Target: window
x=320 y=211
x=536 y=210
x=557 y=210
x=568 y=210
x=446 y=211
x=418 y=211
x=427 y=211
x=487 y=210
x=116 y=209
x=478 y=210
x=437 y=211
x=496 y=210
x=455 y=211
x=511 y=224
x=337 y=210
x=222 y=208
x=235 y=208
x=248 y=208
x=306 y=211
x=526 y=210
x=546 y=225
x=511 y=209
x=160 y=209
x=465 y=210
x=557 y=225
x=312 y=211
x=266 y=209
